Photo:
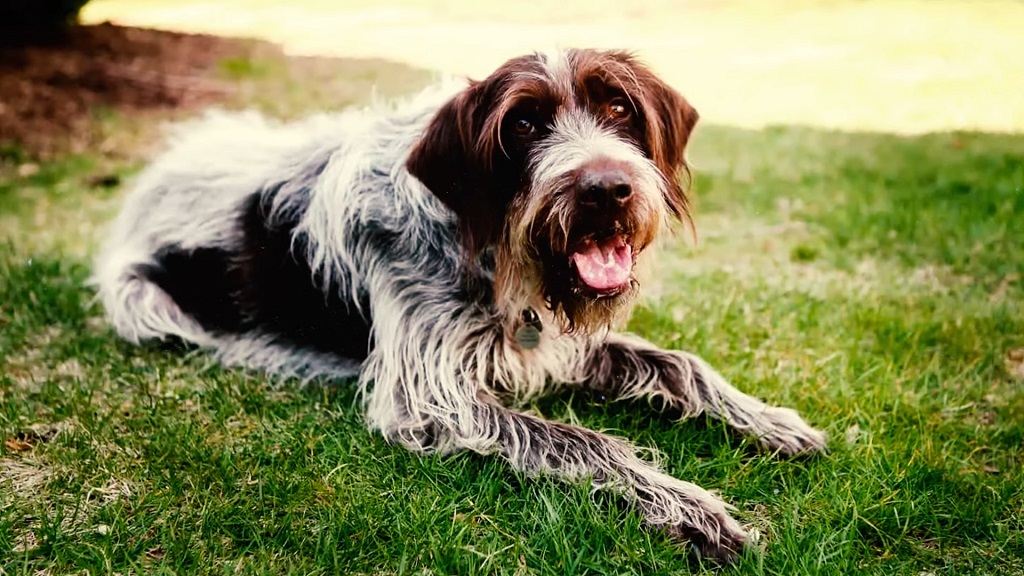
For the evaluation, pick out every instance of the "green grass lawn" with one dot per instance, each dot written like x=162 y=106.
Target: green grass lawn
x=873 y=282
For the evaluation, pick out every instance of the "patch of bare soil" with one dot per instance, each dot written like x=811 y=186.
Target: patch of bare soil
x=50 y=90
x=53 y=93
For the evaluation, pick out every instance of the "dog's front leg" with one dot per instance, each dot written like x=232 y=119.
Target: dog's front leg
x=424 y=389
x=626 y=367
x=541 y=447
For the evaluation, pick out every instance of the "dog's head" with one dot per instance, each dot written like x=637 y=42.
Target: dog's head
x=568 y=165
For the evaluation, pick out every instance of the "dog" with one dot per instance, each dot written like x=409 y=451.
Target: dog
x=459 y=253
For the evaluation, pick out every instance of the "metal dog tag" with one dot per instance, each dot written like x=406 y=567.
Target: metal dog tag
x=528 y=335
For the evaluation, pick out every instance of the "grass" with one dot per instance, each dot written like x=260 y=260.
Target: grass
x=872 y=281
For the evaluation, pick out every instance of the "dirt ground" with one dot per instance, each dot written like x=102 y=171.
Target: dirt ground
x=56 y=97
x=49 y=92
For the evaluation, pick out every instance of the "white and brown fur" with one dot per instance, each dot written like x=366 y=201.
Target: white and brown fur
x=402 y=246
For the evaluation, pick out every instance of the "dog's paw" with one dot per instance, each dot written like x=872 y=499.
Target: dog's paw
x=721 y=539
x=783 y=431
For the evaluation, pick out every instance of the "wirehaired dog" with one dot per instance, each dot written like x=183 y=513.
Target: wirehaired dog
x=460 y=254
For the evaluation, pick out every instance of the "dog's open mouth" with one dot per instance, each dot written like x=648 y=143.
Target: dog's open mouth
x=604 y=265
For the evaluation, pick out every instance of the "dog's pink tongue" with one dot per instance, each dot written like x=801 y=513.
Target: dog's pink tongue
x=604 y=265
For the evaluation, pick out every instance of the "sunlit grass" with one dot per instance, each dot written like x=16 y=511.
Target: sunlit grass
x=857 y=294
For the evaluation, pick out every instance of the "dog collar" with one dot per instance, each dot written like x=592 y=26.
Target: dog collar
x=528 y=333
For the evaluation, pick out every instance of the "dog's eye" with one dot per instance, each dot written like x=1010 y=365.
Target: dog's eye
x=618 y=109
x=523 y=127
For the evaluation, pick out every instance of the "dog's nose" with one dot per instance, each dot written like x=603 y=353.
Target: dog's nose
x=604 y=188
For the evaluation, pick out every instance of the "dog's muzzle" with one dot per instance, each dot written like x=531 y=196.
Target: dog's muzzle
x=603 y=258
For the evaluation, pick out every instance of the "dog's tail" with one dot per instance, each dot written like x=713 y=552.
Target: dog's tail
x=135 y=305
x=139 y=310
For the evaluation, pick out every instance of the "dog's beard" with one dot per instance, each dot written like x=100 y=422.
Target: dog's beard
x=550 y=284
x=580 y=309
x=580 y=269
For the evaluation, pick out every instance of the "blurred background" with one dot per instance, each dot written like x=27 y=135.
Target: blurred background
x=885 y=65
x=896 y=66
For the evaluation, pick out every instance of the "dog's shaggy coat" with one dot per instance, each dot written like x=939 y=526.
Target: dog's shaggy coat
x=459 y=254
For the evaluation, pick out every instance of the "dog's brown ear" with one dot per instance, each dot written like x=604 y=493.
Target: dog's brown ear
x=453 y=160
x=670 y=121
